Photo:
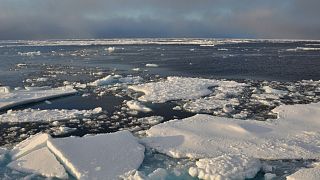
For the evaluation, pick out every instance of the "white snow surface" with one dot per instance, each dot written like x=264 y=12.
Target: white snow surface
x=40 y=161
x=104 y=156
x=226 y=167
x=32 y=94
x=175 y=88
x=136 y=105
x=294 y=135
x=36 y=115
x=306 y=174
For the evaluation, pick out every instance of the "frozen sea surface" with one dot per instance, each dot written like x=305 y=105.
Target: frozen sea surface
x=137 y=84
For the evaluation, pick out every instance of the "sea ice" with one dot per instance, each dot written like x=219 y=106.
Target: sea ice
x=306 y=174
x=11 y=98
x=294 y=135
x=40 y=161
x=32 y=143
x=174 y=88
x=104 y=156
x=136 y=105
x=36 y=115
x=226 y=167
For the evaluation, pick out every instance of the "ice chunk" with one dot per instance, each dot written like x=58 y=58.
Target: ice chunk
x=104 y=156
x=29 y=95
x=110 y=49
x=5 y=89
x=226 y=167
x=136 y=105
x=152 y=65
x=32 y=143
x=32 y=53
x=112 y=79
x=306 y=174
x=36 y=115
x=270 y=90
x=40 y=161
x=175 y=88
x=294 y=135
x=151 y=120
x=104 y=81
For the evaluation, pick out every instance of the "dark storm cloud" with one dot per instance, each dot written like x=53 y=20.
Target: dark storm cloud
x=39 y=19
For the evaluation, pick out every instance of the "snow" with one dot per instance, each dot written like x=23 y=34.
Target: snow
x=226 y=167
x=174 y=88
x=32 y=143
x=32 y=94
x=104 y=156
x=136 y=105
x=306 y=174
x=41 y=162
x=36 y=115
x=152 y=65
x=294 y=135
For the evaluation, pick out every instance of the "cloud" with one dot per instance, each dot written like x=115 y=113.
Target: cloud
x=41 y=19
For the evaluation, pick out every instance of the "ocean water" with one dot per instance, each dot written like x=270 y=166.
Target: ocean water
x=279 y=64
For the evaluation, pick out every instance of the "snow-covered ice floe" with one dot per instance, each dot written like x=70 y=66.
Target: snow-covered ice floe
x=36 y=115
x=175 y=88
x=104 y=156
x=10 y=98
x=294 y=135
x=312 y=173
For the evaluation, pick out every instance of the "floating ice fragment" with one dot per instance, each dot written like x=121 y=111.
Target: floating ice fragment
x=136 y=105
x=152 y=65
x=36 y=115
x=32 y=94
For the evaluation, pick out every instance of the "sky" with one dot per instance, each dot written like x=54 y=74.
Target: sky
x=58 y=19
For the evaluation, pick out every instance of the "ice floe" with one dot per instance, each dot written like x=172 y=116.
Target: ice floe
x=294 y=135
x=312 y=173
x=104 y=156
x=40 y=161
x=10 y=98
x=36 y=115
x=226 y=167
x=174 y=88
